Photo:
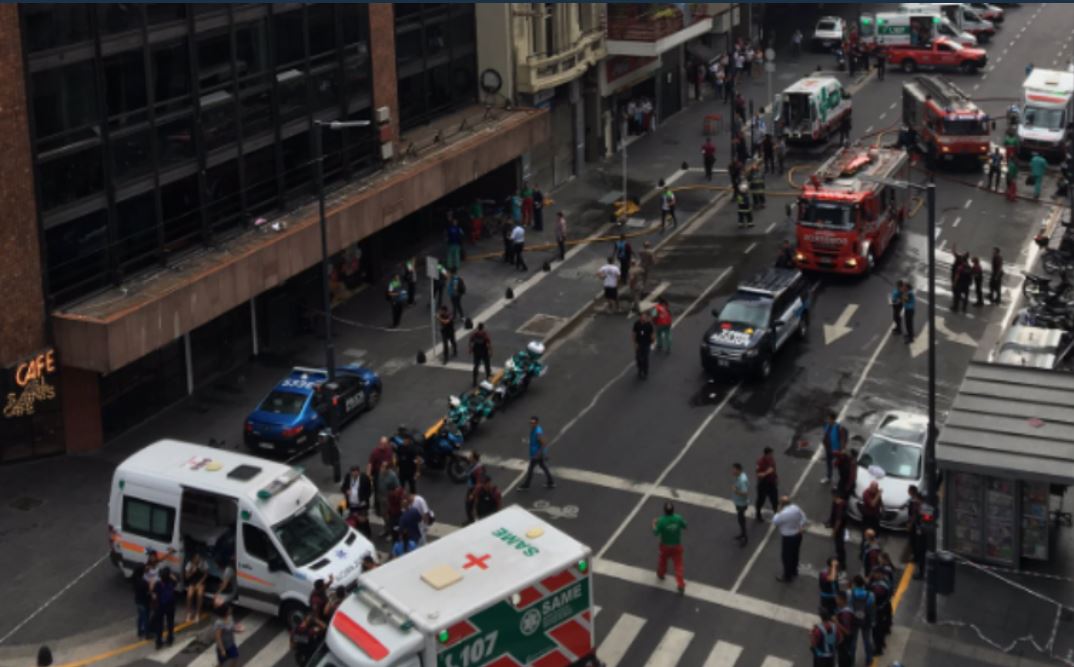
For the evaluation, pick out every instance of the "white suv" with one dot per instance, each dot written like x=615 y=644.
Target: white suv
x=829 y=33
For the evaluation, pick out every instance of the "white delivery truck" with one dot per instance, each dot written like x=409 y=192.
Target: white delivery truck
x=262 y=519
x=510 y=589
x=1048 y=103
x=811 y=110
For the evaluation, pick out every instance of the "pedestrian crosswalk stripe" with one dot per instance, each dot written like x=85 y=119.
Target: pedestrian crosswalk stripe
x=250 y=623
x=772 y=661
x=165 y=655
x=274 y=651
x=724 y=654
x=670 y=649
x=622 y=634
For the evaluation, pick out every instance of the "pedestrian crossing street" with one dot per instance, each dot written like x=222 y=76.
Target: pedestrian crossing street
x=264 y=642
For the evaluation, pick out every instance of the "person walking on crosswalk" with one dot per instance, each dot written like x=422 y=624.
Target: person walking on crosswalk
x=791 y=521
x=740 y=495
x=669 y=529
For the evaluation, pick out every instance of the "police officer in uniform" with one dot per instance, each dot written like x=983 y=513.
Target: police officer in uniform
x=757 y=187
x=745 y=208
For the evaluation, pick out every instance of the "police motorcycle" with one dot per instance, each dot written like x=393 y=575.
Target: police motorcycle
x=441 y=451
x=460 y=415
x=522 y=367
x=484 y=400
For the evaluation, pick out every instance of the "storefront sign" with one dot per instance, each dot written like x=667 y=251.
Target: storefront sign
x=31 y=384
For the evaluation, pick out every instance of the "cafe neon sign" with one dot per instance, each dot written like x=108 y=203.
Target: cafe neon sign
x=31 y=378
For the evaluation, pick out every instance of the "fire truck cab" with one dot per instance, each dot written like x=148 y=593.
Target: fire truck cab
x=948 y=127
x=846 y=217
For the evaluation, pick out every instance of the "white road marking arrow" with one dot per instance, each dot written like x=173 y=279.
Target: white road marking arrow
x=921 y=342
x=833 y=332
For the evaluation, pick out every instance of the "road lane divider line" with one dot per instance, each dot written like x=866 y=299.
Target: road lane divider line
x=817 y=455
x=693 y=438
x=707 y=593
x=749 y=248
x=614 y=483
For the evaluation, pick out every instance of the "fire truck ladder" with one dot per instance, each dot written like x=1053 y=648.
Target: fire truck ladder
x=847 y=164
x=944 y=93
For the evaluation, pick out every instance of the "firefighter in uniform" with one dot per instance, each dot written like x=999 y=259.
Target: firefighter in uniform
x=745 y=208
x=757 y=187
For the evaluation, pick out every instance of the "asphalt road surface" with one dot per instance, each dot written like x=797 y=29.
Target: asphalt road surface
x=620 y=446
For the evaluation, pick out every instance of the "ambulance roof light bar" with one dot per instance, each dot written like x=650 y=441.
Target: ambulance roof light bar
x=280 y=483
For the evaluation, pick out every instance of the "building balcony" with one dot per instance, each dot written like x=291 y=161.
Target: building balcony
x=651 y=29
x=540 y=72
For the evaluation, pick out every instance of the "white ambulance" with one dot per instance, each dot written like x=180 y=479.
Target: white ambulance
x=810 y=111
x=1048 y=100
x=508 y=590
x=264 y=519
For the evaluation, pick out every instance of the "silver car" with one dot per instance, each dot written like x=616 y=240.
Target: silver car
x=894 y=456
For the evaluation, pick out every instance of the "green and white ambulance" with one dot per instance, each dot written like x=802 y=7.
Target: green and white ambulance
x=811 y=110
x=507 y=591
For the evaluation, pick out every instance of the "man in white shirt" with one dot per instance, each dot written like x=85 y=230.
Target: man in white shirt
x=418 y=503
x=609 y=275
x=791 y=522
x=518 y=242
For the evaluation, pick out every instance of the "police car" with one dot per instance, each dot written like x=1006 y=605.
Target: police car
x=290 y=416
x=763 y=315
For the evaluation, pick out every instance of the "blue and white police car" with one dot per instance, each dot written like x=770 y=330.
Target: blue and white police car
x=288 y=419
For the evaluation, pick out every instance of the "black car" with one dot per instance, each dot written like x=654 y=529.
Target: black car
x=765 y=313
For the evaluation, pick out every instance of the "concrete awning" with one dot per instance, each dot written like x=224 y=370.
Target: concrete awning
x=112 y=329
x=622 y=47
x=1011 y=421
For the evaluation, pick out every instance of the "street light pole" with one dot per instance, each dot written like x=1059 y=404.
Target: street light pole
x=326 y=292
x=930 y=440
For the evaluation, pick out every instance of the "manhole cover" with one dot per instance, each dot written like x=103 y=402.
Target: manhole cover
x=26 y=504
x=540 y=325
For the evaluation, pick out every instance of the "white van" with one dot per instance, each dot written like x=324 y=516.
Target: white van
x=178 y=499
x=811 y=110
x=1048 y=100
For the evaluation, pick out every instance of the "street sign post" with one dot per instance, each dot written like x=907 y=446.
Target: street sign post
x=770 y=67
x=432 y=270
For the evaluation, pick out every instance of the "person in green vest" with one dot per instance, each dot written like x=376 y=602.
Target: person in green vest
x=397 y=298
x=669 y=529
x=1037 y=166
x=745 y=208
x=757 y=187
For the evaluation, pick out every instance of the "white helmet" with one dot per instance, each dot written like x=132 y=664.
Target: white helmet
x=535 y=347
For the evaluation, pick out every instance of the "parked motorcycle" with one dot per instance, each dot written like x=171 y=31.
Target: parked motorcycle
x=460 y=415
x=442 y=451
x=522 y=367
x=484 y=400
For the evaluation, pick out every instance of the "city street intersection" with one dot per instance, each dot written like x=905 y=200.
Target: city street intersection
x=620 y=447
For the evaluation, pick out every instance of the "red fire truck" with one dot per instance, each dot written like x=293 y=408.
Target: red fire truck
x=846 y=216
x=947 y=125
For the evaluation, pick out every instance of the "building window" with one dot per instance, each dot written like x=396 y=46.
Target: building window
x=435 y=60
x=132 y=115
x=77 y=255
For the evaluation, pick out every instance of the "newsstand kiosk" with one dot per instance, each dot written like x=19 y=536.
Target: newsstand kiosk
x=1006 y=453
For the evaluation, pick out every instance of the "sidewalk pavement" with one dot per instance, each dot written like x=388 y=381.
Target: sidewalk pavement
x=58 y=517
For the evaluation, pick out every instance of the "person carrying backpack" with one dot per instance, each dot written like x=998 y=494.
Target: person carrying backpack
x=863 y=604
x=487 y=498
x=870 y=551
x=847 y=625
x=881 y=591
x=823 y=640
x=834 y=441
